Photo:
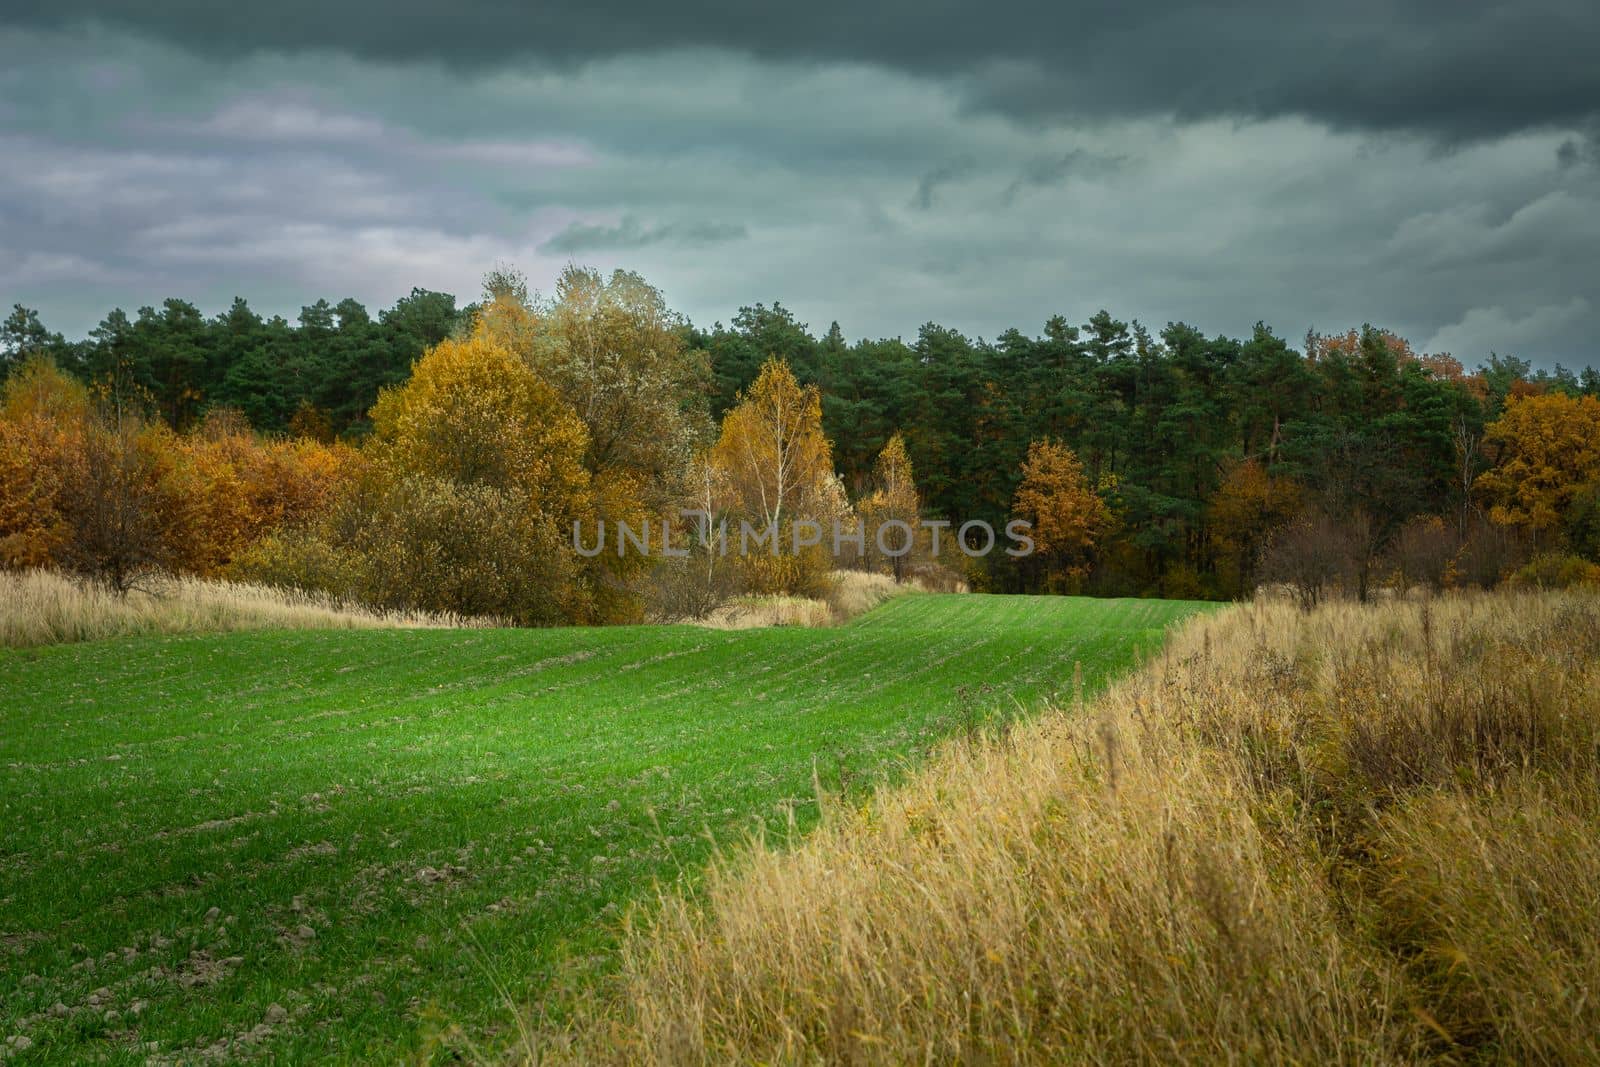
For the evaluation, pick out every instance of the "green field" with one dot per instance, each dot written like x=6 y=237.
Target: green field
x=337 y=844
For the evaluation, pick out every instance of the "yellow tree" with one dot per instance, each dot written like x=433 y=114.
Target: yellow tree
x=617 y=355
x=477 y=479
x=1069 y=519
x=1547 y=451
x=776 y=458
x=893 y=500
x=777 y=465
x=474 y=413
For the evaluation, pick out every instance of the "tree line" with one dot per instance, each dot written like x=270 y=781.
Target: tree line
x=437 y=455
x=318 y=376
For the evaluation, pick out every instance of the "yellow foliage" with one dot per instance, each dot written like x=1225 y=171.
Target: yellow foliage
x=772 y=449
x=473 y=413
x=31 y=461
x=1068 y=516
x=39 y=390
x=776 y=466
x=617 y=355
x=894 y=498
x=1549 y=450
x=477 y=478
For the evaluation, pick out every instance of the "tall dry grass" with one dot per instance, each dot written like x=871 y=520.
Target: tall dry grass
x=850 y=593
x=1363 y=834
x=40 y=607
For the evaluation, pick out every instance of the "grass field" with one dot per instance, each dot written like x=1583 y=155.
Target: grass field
x=1363 y=834
x=291 y=845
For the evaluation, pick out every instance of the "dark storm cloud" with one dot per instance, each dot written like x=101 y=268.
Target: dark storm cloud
x=133 y=168
x=1449 y=69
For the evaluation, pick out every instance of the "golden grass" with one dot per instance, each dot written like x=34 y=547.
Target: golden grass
x=42 y=608
x=750 y=612
x=857 y=592
x=1364 y=834
x=850 y=593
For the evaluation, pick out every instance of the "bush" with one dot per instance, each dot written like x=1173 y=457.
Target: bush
x=429 y=544
x=109 y=502
x=1183 y=582
x=300 y=559
x=806 y=574
x=1315 y=556
x=1553 y=570
x=690 y=588
x=935 y=577
x=1583 y=523
x=222 y=487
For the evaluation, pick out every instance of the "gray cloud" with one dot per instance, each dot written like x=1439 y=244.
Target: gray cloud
x=1448 y=68
x=1044 y=171
x=1582 y=150
x=1501 y=331
x=943 y=174
x=630 y=234
x=132 y=170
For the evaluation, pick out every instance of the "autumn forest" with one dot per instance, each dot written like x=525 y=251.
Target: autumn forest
x=438 y=456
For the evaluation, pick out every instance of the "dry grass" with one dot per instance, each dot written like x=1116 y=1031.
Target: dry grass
x=857 y=592
x=751 y=612
x=1363 y=834
x=45 y=608
x=850 y=593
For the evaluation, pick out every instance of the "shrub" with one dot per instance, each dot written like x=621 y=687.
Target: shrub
x=1315 y=556
x=42 y=417
x=1554 y=570
x=1183 y=582
x=690 y=588
x=222 y=487
x=109 y=503
x=430 y=544
x=301 y=559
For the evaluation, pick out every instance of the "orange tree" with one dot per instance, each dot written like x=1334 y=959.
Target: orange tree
x=223 y=487
x=43 y=414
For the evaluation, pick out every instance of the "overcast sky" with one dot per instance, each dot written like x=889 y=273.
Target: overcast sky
x=1429 y=167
